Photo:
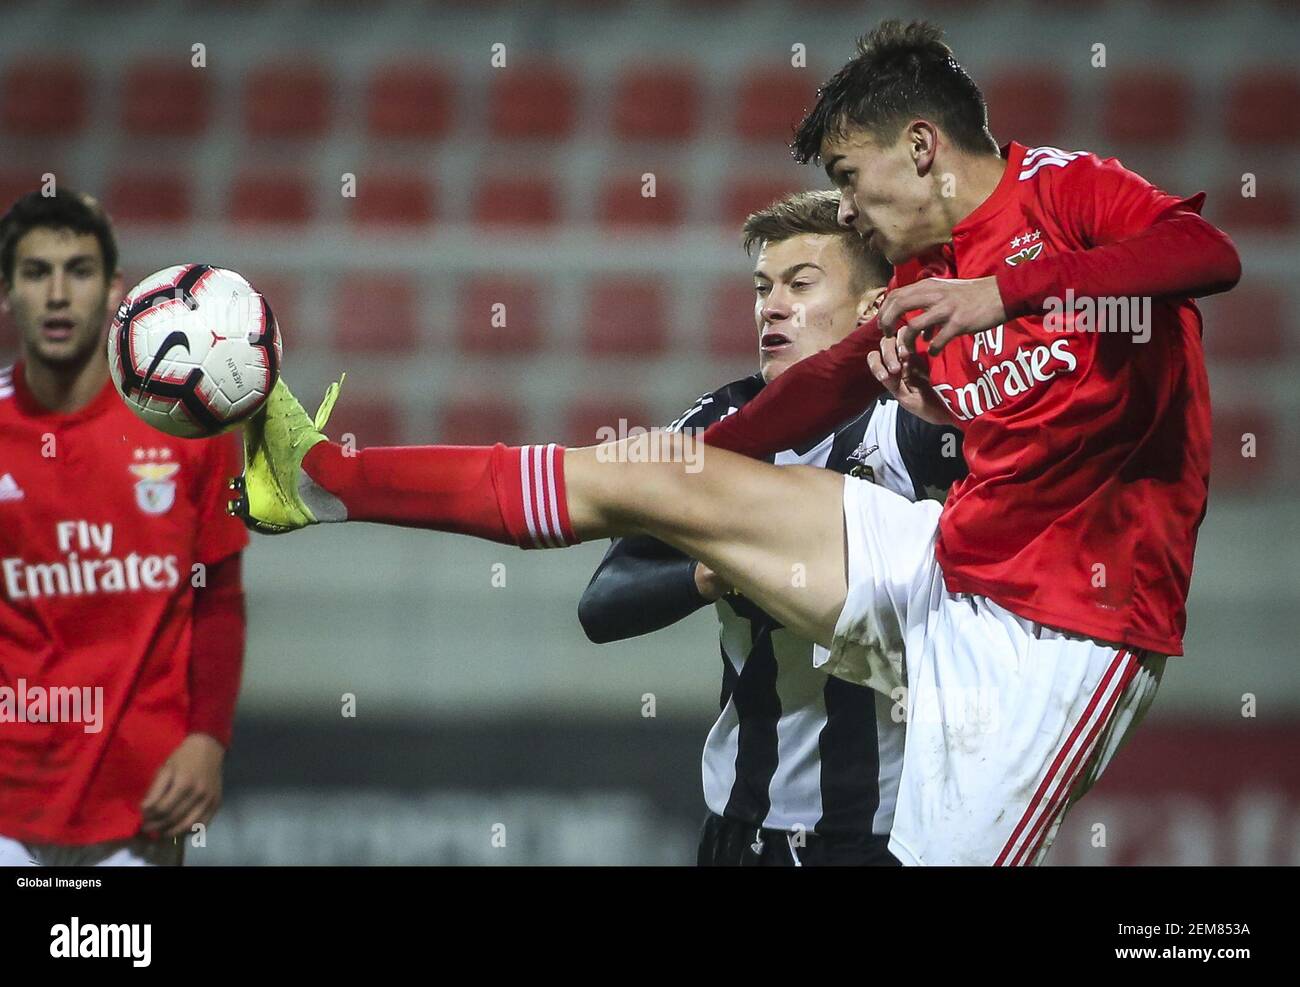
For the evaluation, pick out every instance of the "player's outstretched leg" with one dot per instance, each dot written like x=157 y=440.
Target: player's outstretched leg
x=774 y=533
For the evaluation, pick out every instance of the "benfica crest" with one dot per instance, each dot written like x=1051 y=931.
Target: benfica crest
x=155 y=490
x=1029 y=253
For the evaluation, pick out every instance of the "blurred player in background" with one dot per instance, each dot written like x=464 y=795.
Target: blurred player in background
x=121 y=607
x=1036 y=610
x=801 y=768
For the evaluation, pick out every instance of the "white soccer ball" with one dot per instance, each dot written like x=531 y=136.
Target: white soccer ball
x=194 y=350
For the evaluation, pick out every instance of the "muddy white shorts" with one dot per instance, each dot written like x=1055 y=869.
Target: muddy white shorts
x=1007 y=721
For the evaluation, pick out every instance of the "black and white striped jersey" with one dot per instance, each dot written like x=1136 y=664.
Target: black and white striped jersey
x=792 y=748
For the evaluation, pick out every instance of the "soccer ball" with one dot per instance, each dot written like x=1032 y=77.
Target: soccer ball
x=194 y=350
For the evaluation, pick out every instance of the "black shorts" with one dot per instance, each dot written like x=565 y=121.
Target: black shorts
x=731 y=843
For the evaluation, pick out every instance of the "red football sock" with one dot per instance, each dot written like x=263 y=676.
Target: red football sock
x=509 y=494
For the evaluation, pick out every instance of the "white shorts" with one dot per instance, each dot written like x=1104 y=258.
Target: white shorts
x=138 y=852
x=1008 y=722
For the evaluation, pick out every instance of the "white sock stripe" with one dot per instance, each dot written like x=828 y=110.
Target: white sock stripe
x=1086 y=737
x=555 y=508
x=539 y=491
x=525 y=476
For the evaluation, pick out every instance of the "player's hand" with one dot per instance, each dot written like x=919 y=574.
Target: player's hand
x=948 y=308
x=187 y=789
x=709 y=583
x=909 y=382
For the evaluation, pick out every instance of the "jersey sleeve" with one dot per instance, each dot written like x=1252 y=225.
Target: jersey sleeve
x=219 y=534
x=1136 y=240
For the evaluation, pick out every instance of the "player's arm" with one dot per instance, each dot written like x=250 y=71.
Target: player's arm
x=642 y=585
x=808 y=401
x=187 y=788
x=1143 y=242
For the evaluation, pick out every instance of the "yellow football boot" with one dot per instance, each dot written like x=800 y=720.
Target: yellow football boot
x=269 y=494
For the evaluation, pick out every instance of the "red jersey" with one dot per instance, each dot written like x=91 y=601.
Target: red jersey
x=102 y=522
x=1087 y=432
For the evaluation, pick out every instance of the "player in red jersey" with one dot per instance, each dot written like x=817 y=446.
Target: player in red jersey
x=121 y=609
x=1035 y=613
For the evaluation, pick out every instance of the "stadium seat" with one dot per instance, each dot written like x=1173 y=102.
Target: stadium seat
x=729 y=331
x=747 y=195
x=622 y=204
x=262 y=198
x=1146 y=107
x=511 y=201
x=376 y=313
x=585 y=419
x=532 y=102
x=1248 y=324
x=481 y=421
x=287 y=100
x=1028 y=105
x=486 y=302
x=388 y=199
x=1231 y=471
x=625 y=317
x=1263 y=107
x=44 y=97
x=370 y=419
x=149 y=197
x=1271 y=210
x=656 y=104
x=165 y=99
x=772 y=103
x=409 y=101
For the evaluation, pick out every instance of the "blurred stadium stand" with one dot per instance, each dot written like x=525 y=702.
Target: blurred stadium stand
x=478 y=700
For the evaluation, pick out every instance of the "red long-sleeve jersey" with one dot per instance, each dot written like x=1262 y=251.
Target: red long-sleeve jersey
x=102 y=523
x=1087 y=429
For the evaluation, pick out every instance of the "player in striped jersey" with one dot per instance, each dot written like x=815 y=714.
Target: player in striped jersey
x=800 y=767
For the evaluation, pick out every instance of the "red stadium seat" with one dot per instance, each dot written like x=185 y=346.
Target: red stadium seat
x=1146 y=107
x=149 y=197
x=165 y=99
x=622 y=204
x=772 y=103
x=268 y=199
x=287 y=100
x=386 y=199
x=1231 y=470
x=15 y=183
x=376 y=314
x=500 y=315
x=1250 y=323
x=409 y=101
x=44 y=97
x=370 y=420
x=1028 y=105
x=532 y=102
x=1263 y=107
x=748 y=195
x=730 y=330
x=509 y=201
x=588 y=420
x=1271 y=209
x=481 y=421
x=656 y=104
x=625 y=317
